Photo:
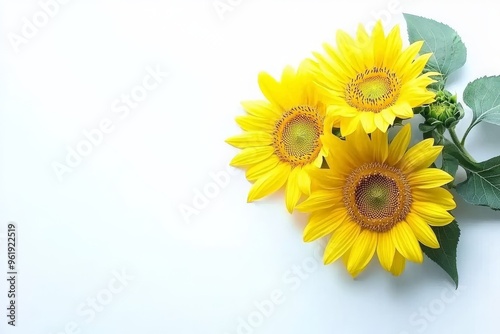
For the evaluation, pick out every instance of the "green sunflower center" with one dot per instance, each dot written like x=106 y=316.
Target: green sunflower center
x=373 y=90
x=374 y=87
x=377 y=196
x=296 y=136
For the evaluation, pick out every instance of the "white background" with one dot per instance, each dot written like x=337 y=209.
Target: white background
x=119 y=209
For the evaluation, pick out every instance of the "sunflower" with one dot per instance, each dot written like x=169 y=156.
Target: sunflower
x=281 y=142
x=371 y=80
x=380 y=197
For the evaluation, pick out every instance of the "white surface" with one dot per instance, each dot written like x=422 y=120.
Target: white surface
x=119 y=209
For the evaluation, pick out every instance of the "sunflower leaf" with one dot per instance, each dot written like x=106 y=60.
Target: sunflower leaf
x=482 y=186
x=450 y=163
x=446 y=255
x=449 y=52
x=483 y=97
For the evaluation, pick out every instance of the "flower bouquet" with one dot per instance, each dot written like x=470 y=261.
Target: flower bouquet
x=334 y=134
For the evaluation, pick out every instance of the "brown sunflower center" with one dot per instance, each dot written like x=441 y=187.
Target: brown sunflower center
x=373 y=90
x=377 y=196
x=296 y=135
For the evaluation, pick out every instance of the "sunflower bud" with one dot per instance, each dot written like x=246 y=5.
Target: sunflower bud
x=442 y=114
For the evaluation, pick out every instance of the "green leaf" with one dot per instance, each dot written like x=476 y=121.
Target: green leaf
x=449 y=52
x=482 y=186
x=483 y=97
x=446 y=255
x=450 y=163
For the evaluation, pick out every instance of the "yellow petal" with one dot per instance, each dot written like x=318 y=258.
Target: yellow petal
x=385 y=250
x=407 y=56
x=326 y=179
x=403 y=110
x=251 y=156
x=439 y=196
x=262 y=109
x=380 y=146
x=420 y=156
x=252 y=123
x=320 y=199
x=379 y=43
x=304 y=181
x=341 y=241
x=433 y=214
x=348 y=125
x=422 y=230
x=367 y=121
x=394 y=45
x=399 y=144
x=262 y=168
x=268 y=184
x=381 y=123
x=251 y=139
x=361 y=35
x=324 y=222
x=361 y=252
x=348 y=47
x=416 y=67
x=338 y=152
x=388 y=116
x=292 y=193
x=429 y=178
x=273 y=91
x=359 y=143
x=406 y=243
x=398 y=264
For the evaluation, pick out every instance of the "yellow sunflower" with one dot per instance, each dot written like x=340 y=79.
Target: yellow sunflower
x=281 y=141
x=378 y=197
x=371 y=80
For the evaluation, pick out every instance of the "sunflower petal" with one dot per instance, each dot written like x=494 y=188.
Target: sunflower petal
x=304 y=181
x=341 y=241
x=367 y=121
x=422 y=230
x=348 y=125
x=406 y=243
x=398 y=264
x=420 y=156
x=407 y=56
x=262 y=109
x=250 y=139
x=433 y=214
x=292 y=192
x=251 y=156
x=273 y=91
x=268 y=184
x=439 y=196
x=252 y=123
x=380 y=146
x=429 y=178
x=399 y=144
x=321 y=199
x=361 y=252
x=262 y=168
x=324 y=222
x=385 y=250
x=403 y=110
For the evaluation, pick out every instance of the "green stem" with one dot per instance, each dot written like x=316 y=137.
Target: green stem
x=460 y=145
x=466 y=134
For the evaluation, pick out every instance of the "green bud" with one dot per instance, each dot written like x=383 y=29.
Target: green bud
x=442 y=114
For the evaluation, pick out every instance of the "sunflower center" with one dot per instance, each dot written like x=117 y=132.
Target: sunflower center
x=373 y=90
x=296 y=136
x=377 y=196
